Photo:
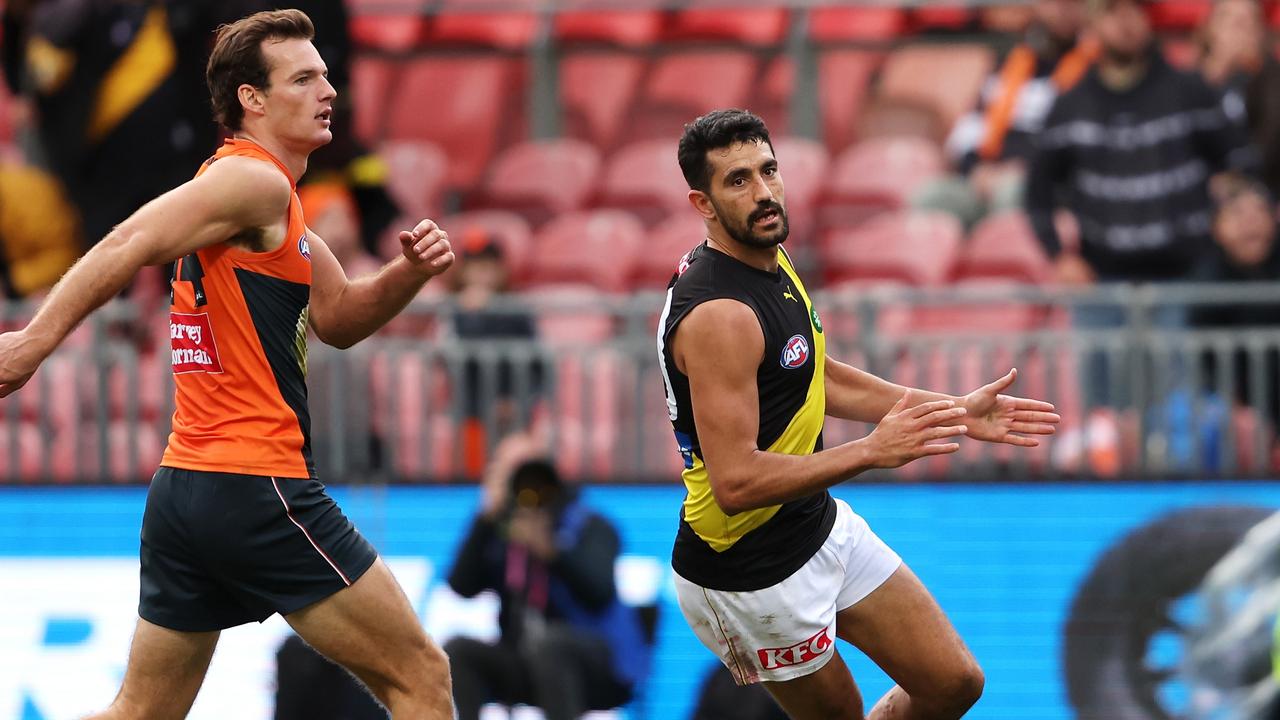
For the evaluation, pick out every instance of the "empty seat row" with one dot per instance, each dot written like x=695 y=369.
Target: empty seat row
x=474 y=105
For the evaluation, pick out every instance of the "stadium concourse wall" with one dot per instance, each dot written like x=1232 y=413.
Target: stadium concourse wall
x=1005 y=561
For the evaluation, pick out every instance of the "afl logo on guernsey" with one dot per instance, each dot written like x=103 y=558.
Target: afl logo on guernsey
x=304 y=247
x=795 y=353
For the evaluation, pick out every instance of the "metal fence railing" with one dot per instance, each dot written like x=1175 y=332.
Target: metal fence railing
x=1149 y=391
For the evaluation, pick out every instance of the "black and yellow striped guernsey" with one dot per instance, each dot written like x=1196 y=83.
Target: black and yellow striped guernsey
x=758 y=548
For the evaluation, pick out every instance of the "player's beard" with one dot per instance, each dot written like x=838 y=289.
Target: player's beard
x=742 y=232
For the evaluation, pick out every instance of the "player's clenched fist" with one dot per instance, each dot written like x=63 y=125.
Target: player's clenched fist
x=910 y=431
x=427 y=246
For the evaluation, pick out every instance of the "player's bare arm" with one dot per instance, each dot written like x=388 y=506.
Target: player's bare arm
x=234 y=198
x=719 y=346
x=344 y=312
x=853 y=394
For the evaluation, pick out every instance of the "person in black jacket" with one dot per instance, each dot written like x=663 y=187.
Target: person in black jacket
x=568 y=644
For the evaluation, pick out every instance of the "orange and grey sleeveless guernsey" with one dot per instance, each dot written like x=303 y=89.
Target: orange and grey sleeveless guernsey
x=238 y=327
x=762 y=547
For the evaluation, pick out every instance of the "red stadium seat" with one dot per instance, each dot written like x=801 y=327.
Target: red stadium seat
x=596 y=91
x=916 y=248
x=948 y=77
x=411 y=413
x=542 y=178
x=844 y=77
x=1004 y=246
x=458 y=103
x=371 y=82
x=756 y=27
x=878 y=174
x=1179 y=15
x=645 y=178
x=940 y=17
x=26 y=465
x=664 y=246
x=393 y=29
x=510 y=230
x=774 y=99
x=416 y=174
x=682 y=86
x=598 y=248
x=570 y=314
x=846 y=24
x=583 y=411
x=486 y=24
x=625 y=28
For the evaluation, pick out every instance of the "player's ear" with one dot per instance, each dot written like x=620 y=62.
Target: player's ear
x=251 y=98
x=702 y=203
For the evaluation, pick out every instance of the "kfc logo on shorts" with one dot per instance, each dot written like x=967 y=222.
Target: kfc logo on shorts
x=795 y=353
x=798 y=654
x=194 y=350
x=304 y=247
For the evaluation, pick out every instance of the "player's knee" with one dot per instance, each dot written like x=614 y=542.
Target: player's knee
x=429 y=666
x=962 y=688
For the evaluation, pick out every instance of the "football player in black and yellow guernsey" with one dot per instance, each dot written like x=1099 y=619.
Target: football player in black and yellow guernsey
x=770 y=569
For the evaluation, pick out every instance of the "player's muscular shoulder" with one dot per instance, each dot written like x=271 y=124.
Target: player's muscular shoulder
x=256 y=195
x=716 y=332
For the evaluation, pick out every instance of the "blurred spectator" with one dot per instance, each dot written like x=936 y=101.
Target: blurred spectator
x=721 y=698
x=332 y=214
x=568 y=644
x=116 y=91
x=1244 y=251
x=1130 y=151
x=992 y=144
x=39 y=230
x=497 y=395
x=311 y=687
x=1235 y=57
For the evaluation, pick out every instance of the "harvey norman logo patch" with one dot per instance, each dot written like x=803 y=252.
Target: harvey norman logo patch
x=798 y=654
x=194 y=350
x=795 y=353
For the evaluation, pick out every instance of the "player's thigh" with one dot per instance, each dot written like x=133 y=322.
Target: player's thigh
x=370 y=629
x=828 y=694
x=166 y=668
x=904 y=631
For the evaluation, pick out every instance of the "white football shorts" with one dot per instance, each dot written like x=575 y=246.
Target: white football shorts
x=789 y=630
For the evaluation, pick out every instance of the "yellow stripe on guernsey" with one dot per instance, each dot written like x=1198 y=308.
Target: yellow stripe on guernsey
x=721 y=531
x=146 y=64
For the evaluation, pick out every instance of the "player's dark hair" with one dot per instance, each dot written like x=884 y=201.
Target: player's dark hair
x=237 y=58
x=717 y=129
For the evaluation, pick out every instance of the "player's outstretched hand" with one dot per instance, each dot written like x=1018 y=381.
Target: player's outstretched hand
x=427 y=247
x=19 y=359
x=910 y=431
x=1005 y=419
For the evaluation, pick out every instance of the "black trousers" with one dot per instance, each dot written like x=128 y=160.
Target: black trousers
x=566 y=673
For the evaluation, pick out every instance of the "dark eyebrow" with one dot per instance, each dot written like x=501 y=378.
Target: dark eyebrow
x=736 y=173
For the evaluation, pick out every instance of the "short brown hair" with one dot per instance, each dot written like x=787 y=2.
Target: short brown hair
x=237 y=58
